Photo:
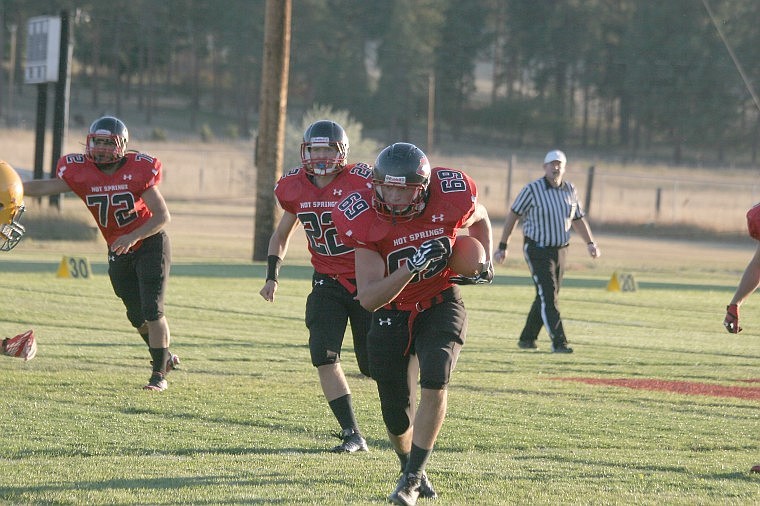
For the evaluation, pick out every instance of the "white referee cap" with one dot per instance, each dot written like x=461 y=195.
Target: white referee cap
x=555 y=155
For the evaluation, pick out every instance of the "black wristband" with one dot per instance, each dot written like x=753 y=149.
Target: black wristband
x=590 y=243
x=273 y=267
x=502 y=246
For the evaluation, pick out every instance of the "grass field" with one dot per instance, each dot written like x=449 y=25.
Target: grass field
x=244 y=421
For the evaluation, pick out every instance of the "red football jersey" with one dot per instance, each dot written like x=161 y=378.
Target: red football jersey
x=452 y=199
x=115 y=200
x=314 y=207
x=753 y=222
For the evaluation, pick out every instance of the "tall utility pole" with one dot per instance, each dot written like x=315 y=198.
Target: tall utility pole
x=273 y=103
x=431 y=113
x=61 y=106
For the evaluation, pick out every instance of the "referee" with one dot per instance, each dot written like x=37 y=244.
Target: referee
x=549 y=206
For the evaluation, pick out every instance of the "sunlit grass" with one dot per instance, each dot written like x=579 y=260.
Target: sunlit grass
x=244 y=420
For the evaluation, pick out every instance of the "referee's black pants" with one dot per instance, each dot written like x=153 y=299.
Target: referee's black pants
x=547 y=268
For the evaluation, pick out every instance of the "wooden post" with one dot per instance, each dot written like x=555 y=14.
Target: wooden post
x=11 y=75
x=657 y=202
x=510 y=169
x=431 y=113
x=39 y=137
x=589 y=189
x=273 y=102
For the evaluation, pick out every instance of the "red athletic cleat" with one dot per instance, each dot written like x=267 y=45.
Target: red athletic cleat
x=157 y=383
x=21 y=346
x=172 y=363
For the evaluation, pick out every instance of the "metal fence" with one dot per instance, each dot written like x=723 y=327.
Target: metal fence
x=716 y=201
x=611 y=193
x=207 y=173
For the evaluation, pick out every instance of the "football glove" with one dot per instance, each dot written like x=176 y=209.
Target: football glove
x=429 y=251
x=484 y=278
x=22 y=346
x=731 y=321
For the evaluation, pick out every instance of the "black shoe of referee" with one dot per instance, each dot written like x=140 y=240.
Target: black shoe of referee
x=561 y=348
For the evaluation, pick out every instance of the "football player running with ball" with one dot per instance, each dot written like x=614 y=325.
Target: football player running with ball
x=120 y=189
x=403 y=229
x=307 y=195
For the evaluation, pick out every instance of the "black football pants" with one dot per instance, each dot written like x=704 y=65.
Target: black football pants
x=547 y=268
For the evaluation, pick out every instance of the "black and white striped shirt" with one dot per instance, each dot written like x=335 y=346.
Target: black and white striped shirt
x=548 y=212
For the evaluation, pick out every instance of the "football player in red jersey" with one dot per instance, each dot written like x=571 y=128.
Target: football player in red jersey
x=307 y=195
x=402 y=230
x=748 y=283
x=120 y=189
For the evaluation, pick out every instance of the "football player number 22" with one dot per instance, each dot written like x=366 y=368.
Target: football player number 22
x=322 y=234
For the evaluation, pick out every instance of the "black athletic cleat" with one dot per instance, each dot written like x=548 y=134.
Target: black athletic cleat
x=527 y=345
x=157 y=383
x=426 y=488
x=407 y=490
x=561 y=348
x=352 y=442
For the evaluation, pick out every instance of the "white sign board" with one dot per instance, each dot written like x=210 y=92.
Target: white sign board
x=43 y=45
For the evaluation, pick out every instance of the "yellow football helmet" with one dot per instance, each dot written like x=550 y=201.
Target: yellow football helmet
x=11 y=207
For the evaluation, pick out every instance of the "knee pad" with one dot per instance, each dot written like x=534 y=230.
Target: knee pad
x=152 y=314
x=320 y=357
x=364 y=369
x=136 y=319
x=433 y=385
x=394 y=406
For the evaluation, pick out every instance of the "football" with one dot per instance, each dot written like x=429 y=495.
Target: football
x=467 y=256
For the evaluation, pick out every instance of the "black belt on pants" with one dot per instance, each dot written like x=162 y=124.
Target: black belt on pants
x=348 y=283
x=533 y=243
x=445 y=296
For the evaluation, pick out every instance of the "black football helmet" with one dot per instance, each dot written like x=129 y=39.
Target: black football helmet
x=107 y=140
x=324 y=133
x=401 y=165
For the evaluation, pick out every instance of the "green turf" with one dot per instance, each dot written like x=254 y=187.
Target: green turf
x=244 y=420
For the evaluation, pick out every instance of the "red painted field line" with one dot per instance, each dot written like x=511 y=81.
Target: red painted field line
x=680 y=387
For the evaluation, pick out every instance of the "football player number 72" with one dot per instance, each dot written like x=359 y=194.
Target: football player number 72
x=121 y=204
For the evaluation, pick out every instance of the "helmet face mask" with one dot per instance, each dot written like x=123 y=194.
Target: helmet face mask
x=12 y=233
x=106 y=141
x=413 y=205
x=11 y=207
x=324 y=134
x=400 y=166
